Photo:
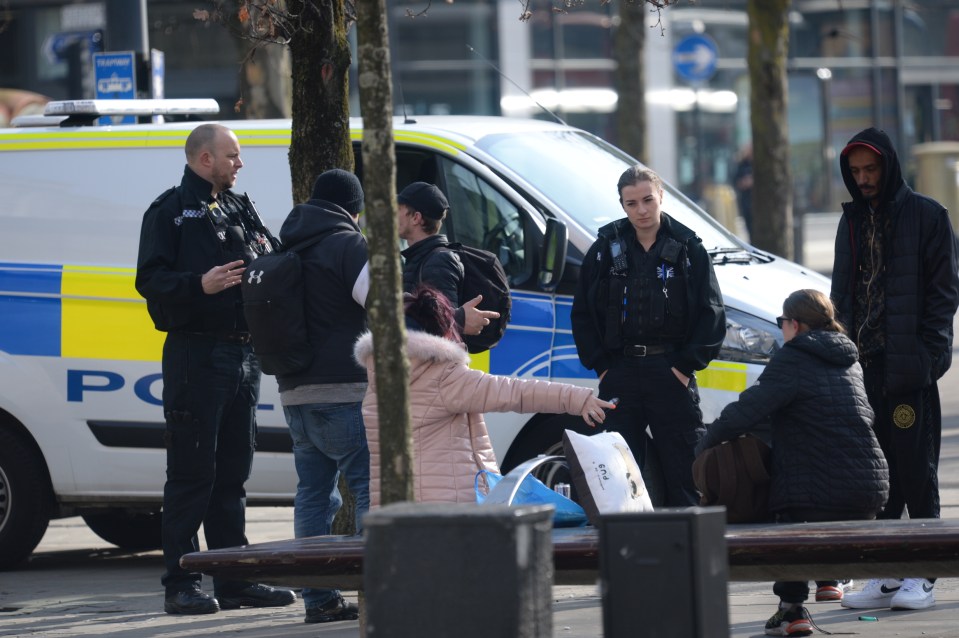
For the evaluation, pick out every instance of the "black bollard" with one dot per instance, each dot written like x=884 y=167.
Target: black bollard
x=665 y=573
x=433 y=569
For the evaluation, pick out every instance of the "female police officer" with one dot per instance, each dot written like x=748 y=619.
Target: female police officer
x=646 y=315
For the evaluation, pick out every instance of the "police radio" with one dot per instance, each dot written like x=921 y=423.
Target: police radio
x=617 y=249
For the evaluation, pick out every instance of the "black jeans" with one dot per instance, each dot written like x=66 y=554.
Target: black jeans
x=651 y=395
x=798 y=591
x=210 y=393
x=911 y=440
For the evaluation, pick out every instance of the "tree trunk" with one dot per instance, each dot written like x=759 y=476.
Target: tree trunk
x=320 y=136
x=385 y=302
x=320 y=59
x=265 y=83
x=628 y=41
x=772 y=177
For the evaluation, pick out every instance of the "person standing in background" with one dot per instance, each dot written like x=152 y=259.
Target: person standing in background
x=895 y=284
x=743 y=184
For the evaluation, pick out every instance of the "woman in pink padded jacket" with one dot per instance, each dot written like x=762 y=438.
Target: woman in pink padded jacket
x=447 y=402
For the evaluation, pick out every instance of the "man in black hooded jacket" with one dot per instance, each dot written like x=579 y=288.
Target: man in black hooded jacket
x=322 y=403
x=895 y=285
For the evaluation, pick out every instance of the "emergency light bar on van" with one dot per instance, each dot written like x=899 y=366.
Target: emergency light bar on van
x=86 y=112
x=26 y=121
x=98 y=108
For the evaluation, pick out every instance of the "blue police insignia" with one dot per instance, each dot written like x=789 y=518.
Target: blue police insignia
x=665 y=272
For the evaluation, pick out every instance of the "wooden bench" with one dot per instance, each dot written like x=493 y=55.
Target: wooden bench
x=800 y=551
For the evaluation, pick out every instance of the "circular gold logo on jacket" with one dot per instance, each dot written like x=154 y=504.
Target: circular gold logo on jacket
x=903 y=416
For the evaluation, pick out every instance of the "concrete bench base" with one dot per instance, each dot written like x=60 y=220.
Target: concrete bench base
x=803 y=551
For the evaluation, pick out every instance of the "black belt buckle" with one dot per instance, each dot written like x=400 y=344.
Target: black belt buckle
x=634 y=351
x=243 y=338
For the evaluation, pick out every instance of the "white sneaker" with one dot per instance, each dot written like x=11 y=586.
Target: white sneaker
x=916 y=593
x=846 y=585
x=878 y=592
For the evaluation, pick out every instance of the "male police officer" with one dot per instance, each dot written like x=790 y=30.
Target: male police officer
x=194 y=244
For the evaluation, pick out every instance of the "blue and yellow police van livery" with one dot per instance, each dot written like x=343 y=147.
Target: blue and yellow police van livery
x=81 y=422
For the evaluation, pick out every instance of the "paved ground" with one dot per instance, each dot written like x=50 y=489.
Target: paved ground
x=76 y=585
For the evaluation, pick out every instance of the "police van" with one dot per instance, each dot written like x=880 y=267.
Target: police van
x=81 y=422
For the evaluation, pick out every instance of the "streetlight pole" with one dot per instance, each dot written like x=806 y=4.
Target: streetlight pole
x=127 y=26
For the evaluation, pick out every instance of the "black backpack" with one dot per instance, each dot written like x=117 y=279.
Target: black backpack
x=482 y=275
x=273 y=303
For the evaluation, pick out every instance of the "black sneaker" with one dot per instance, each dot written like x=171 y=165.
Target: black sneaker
x=256 y=596
x=336 y=609
x=794 y=621
x=190 y=601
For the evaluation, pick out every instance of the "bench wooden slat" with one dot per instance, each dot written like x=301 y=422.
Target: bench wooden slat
x=804 y=551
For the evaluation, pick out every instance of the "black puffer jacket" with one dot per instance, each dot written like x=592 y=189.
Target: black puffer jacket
x=825 y=455
x=921 y=260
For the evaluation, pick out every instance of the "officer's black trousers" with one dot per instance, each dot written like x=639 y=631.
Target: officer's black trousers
x=651 y=395
x=210 y=392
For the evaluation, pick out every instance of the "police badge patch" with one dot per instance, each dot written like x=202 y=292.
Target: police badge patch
x=904 y=416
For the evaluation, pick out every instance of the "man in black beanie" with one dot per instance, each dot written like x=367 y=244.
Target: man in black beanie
x=421 y=211
x=322 y=403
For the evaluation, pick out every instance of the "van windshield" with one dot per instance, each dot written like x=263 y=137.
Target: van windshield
x=578 y=172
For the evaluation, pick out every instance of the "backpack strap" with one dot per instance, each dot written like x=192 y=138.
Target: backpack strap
x=726 y=462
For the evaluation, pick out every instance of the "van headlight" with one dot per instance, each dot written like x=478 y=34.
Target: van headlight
x=749 y=339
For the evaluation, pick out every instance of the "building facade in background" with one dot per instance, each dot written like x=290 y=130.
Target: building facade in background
x=852 y=64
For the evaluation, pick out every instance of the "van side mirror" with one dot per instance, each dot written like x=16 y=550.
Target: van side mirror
x=552 y=258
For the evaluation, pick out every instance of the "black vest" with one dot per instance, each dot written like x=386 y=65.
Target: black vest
x=646 y=294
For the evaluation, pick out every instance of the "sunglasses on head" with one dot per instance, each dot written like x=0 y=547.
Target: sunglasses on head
x=780 y=320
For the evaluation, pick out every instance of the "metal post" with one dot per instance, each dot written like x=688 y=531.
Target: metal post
x=437 y=569
x=665 y=573
x=127 y=26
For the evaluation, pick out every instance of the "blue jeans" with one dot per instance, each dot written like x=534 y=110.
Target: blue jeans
x=328 y=438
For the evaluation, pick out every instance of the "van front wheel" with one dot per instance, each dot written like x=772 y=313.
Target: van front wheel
x=24 y=499
x=129 y=530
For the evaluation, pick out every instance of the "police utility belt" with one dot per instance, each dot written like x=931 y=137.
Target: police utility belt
x=637 y=350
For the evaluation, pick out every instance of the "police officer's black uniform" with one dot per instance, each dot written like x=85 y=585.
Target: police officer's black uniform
x=211 y=379
x=637 y=314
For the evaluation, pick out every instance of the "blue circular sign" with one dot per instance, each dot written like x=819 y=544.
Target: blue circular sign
x=695 y=56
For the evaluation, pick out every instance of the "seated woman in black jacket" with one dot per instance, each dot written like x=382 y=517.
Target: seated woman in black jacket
x=826 y=462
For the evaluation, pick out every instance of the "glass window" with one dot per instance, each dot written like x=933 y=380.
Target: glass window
x=558 y=163
x=481 y=216
x=931 y=28
x=435 y=72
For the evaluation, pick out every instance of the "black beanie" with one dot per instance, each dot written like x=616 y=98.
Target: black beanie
x=424 y=198
x=341 y=188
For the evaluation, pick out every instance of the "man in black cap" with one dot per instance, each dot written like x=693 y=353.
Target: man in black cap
x=322 y=403
x=895 y=284
x=422 y=209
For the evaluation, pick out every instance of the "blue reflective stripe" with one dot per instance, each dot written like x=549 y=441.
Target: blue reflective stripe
x=29 y=319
